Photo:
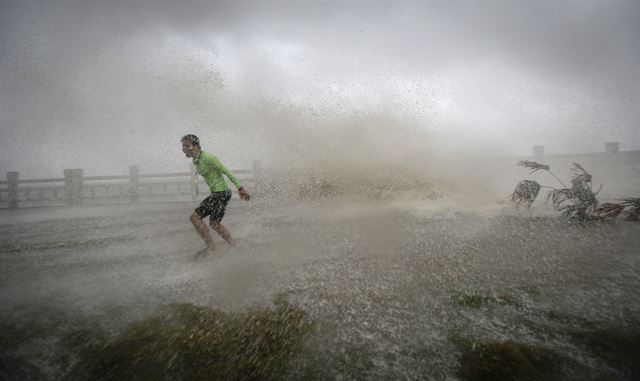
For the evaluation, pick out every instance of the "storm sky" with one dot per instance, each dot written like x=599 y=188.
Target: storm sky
x=103 y=85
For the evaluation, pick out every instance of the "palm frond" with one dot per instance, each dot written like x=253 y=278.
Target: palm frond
x=559 y=196
x=631 y=201
x=525 y=192
x=579 y=173
x=608 y=211
x=534 y=166
x=578 y=167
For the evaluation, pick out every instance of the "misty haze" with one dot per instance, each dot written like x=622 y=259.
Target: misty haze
x=433 y=190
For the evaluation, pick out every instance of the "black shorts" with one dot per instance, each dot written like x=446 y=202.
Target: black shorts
x=214 y=206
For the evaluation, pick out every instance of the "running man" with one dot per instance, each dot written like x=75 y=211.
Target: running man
x=214 y=206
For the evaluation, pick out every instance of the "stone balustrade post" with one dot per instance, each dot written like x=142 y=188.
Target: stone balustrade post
x=134 y=181
x=73 y=186
x=257 y=172
x=12 y=187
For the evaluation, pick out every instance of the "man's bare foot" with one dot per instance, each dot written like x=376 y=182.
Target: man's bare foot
x=204 y=252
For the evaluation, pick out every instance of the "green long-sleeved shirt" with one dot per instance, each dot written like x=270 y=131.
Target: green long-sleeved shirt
x=211 y=169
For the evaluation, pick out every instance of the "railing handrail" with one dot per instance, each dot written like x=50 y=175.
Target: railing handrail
x=77 y=187
x=35 y=181
x=119 y=177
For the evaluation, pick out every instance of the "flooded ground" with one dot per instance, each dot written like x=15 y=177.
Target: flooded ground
x=395 y=290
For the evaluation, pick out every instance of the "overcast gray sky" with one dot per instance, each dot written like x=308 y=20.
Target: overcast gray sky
x=101 y=85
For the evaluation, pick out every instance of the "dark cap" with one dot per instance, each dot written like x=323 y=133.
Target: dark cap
x=191 y=138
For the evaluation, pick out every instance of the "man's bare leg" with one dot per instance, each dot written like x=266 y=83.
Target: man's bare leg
x=202 y=230
x=222 y=231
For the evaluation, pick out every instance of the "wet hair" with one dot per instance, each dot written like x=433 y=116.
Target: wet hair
x=191 y=138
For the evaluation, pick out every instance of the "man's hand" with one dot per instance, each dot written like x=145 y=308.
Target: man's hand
x=244 y=194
